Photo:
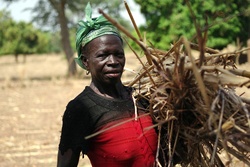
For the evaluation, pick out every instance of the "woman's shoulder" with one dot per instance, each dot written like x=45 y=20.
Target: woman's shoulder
x=79 y=103
x=84 y=94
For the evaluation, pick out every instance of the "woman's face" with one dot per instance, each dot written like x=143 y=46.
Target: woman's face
x=105 y=59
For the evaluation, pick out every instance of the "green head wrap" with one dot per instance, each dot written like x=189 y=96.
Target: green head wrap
x=91 y=29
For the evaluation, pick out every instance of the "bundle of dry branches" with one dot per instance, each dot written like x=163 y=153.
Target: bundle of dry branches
x=193 y=102
x=198 y=113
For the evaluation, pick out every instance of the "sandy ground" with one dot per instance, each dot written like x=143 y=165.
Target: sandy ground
x=33 y=96
x=32 y=99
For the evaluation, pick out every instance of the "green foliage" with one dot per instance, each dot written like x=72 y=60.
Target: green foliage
x=20 y=37
x=61 y=16
x=168 y=20
x=47 y=15
x=54 y=44
x=114 y=9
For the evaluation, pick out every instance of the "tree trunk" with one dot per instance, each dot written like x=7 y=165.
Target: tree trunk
x=248 y=52
x=16 y=57
x=65 y=40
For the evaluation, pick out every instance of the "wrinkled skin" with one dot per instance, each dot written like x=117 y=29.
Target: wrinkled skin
x=104 y=59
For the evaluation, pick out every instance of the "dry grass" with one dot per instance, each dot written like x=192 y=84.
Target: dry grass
x=32 y=99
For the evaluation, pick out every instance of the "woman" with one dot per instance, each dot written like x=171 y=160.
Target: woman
x=105 y=107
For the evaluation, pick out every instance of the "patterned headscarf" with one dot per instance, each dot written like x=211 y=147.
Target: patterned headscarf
x=91 y=29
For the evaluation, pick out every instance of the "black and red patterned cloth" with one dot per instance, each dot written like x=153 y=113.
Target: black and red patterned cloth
x=125 y=144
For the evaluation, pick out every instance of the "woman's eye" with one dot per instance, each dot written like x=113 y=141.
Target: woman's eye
x=102 y=55
x=120 y=55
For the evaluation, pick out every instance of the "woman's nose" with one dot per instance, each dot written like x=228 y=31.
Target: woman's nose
x=112 y=59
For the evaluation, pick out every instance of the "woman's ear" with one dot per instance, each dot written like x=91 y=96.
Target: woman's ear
x=85 y=61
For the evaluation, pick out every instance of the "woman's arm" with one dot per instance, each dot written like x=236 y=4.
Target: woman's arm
x=68 y=159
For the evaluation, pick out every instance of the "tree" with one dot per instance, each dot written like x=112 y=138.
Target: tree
x=20 y=37
x=168 y=20
x=56 y=14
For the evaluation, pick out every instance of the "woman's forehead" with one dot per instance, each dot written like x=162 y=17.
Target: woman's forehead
x=105 y=41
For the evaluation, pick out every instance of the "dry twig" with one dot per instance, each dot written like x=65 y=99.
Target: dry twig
x=194 y=103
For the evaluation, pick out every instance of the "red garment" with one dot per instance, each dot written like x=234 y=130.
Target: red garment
x=127 y=145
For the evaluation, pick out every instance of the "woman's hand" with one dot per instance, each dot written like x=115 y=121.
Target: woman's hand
x=68 y=159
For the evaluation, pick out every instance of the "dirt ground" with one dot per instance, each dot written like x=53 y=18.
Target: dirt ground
x=32 y=100
x=33 y=96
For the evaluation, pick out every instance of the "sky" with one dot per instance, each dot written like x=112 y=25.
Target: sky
x=17 y=10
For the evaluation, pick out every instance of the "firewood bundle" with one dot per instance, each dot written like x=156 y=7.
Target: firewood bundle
x=195 y=106
x=201 y=120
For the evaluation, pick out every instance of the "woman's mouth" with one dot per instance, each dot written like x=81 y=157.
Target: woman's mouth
x=113 y=75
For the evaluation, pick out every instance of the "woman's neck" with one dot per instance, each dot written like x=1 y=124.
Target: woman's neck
x=117 y=91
